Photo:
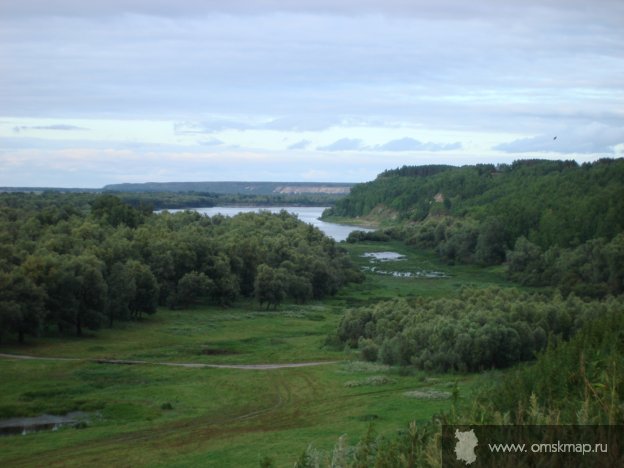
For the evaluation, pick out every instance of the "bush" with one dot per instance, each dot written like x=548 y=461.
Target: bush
x=369 y=350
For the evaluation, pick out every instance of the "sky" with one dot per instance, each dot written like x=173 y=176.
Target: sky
x=98 y=92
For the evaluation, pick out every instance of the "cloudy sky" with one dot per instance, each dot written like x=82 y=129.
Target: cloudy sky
x=97 y=92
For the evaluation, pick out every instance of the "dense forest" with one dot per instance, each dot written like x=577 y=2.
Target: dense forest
x=555 y=223
x=193 y=199
x=75 y=261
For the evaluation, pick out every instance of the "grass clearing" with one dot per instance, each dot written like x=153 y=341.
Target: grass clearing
x=385 y=287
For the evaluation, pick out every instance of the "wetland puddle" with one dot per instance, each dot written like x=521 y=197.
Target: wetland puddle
x=45 y=422
x=380 y=257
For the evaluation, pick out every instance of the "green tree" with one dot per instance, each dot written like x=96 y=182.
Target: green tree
x=21 y=304
x=491 y=242
x=121 y=291
x=192 y=287
x=110 y=209
x=614 y=253
x=270 y=286
x=299 y=288
x=90 y=293
x=526 y=262
x=145 y=299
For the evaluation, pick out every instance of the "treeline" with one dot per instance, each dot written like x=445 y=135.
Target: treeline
x=149 y=201
x=176 y=200
x=479 y=329
x=75 y=261
x=547 y=217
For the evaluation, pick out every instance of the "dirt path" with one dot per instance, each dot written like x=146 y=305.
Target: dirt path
x=172 y=364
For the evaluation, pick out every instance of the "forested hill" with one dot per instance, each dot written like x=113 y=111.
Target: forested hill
x=528 y=194
x=554 y=222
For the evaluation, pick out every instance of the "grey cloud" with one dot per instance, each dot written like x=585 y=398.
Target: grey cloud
x=410 y=144
x=61 y=127
x=344 y=144
x=590 y=139
x=291 y=123
x=423 y=8
x=209 y=126
x=445 y=73
x=303 y=144
x=548 y=64
x=211 y=142
x=309 y=123
x=17 y=143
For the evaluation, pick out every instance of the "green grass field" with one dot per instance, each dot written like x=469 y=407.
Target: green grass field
x=155 y=415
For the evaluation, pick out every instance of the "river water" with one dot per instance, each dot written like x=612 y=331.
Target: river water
x=307 y=214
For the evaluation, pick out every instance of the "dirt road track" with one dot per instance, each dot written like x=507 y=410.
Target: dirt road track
x=197 y=365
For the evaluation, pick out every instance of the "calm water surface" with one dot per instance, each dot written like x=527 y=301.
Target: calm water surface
x=307 y=214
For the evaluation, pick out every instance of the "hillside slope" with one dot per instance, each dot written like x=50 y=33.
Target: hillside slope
x=554 y=222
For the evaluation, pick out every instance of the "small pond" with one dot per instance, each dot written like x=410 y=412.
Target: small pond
x=384 y=256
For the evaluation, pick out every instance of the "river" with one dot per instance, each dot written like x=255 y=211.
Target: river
x=307 y=214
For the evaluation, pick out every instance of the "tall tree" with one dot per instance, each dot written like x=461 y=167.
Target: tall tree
x=270 y=285
x=21 y=304
x=121 y=292
x=192 y=287
x=145 y=299
x=90 y=293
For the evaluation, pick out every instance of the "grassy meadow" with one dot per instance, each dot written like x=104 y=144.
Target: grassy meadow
x=157 y=415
